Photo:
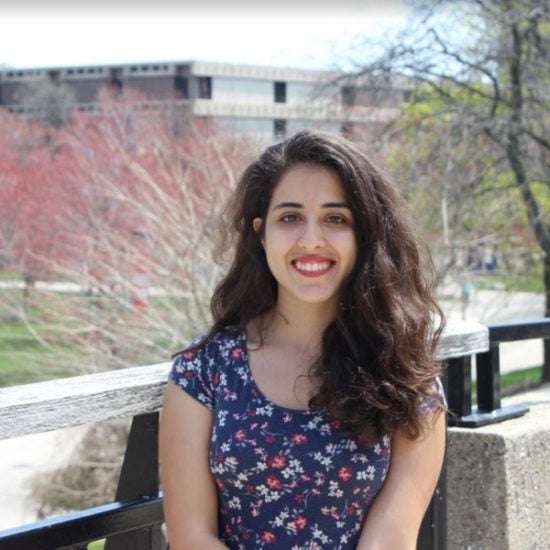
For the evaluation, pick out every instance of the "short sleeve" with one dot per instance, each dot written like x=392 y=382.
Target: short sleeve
x=193 y=370
x=430 y=404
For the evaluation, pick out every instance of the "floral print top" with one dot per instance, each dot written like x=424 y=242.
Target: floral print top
x=285 y=478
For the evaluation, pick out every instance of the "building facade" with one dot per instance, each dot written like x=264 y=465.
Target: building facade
x=260 y=100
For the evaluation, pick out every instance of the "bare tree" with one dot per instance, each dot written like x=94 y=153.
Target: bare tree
x=48 y=101
x=484 y=64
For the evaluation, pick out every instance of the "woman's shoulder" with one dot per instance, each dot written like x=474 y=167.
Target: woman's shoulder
x=213 y=345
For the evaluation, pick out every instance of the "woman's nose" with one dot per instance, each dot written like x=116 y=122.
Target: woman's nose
x=312 y=236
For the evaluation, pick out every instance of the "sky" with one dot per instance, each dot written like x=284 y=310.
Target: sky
x=292 y=33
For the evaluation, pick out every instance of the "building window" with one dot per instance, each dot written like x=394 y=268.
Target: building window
x=205 y=87
x=115 y=81
x=181 y=87
x=54 y=76
x=280 y=92
x=349 y=95
x=279 y=128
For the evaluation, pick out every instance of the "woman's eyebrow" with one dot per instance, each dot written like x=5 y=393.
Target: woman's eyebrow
x=300 y=205
x=335 y=205
x=288 y=205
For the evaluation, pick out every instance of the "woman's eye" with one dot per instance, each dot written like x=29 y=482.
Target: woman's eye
x=336 y=219
x=290 y=218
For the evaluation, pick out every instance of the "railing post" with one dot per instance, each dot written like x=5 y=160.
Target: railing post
x=459 y=385
x=488 y=378
x=139 y=477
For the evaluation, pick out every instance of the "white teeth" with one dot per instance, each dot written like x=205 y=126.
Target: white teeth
x=311 y=267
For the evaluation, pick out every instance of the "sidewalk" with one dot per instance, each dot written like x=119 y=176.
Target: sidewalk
x=20 y=459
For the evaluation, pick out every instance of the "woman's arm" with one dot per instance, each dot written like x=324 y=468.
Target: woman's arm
x=393 y=522
x=190 y=499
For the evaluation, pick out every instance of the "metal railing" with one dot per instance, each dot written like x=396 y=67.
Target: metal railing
x=134 y=520
x=489 y=408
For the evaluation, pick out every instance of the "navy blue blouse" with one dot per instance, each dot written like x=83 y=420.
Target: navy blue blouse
x=285 y=478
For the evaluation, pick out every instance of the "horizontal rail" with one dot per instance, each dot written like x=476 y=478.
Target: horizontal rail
x=525 y=330
x=90 y=398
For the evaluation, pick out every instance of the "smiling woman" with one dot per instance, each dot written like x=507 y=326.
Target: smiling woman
x=310 y=415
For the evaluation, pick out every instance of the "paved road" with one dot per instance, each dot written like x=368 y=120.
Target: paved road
x=21 y=459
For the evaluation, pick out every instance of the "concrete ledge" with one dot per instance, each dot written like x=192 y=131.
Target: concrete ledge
x=498 y=482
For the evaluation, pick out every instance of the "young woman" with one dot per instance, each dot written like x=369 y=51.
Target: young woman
x=311 y=413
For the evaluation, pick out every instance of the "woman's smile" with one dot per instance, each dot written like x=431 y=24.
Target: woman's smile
x=312 y=266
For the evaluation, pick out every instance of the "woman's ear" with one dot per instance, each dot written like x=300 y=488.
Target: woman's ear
x=257 y=224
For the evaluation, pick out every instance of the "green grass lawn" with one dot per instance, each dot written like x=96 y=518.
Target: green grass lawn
x=520 y=380
x=24 y=359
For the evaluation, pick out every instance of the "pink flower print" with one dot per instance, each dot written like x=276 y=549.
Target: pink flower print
x=277 y=461
x=236 y=353
x=240 y=435
x=300 y=523
x=334 y=425
x=299 y=498
x=269 y=439
x=268 y=537
x=189 y=354
x=345 y=473
x=215 y=378
x=273 y=482
x=299 y=439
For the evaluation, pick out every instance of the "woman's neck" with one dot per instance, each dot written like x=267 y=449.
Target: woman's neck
x=300 y=326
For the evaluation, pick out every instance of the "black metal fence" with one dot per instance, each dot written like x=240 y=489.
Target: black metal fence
x=134 y=521
x=459 y=377
x=489 y=410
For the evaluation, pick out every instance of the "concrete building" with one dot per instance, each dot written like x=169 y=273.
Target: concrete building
x=262 y=100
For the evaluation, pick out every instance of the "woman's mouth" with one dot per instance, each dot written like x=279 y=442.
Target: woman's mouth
x=312 y=268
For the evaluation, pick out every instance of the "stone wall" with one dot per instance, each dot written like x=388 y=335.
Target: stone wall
x=499 y=481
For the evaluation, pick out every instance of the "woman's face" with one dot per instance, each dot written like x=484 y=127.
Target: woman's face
x=308 y=235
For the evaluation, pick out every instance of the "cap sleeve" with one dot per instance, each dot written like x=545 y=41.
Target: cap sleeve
x=430 y=404
x=194 y=371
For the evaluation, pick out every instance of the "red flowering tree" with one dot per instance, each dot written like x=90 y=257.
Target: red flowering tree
x=126 y=212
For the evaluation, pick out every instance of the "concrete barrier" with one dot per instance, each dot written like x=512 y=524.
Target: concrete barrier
x=498 y=481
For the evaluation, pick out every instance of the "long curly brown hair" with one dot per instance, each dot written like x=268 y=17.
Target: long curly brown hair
x=377 y=366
